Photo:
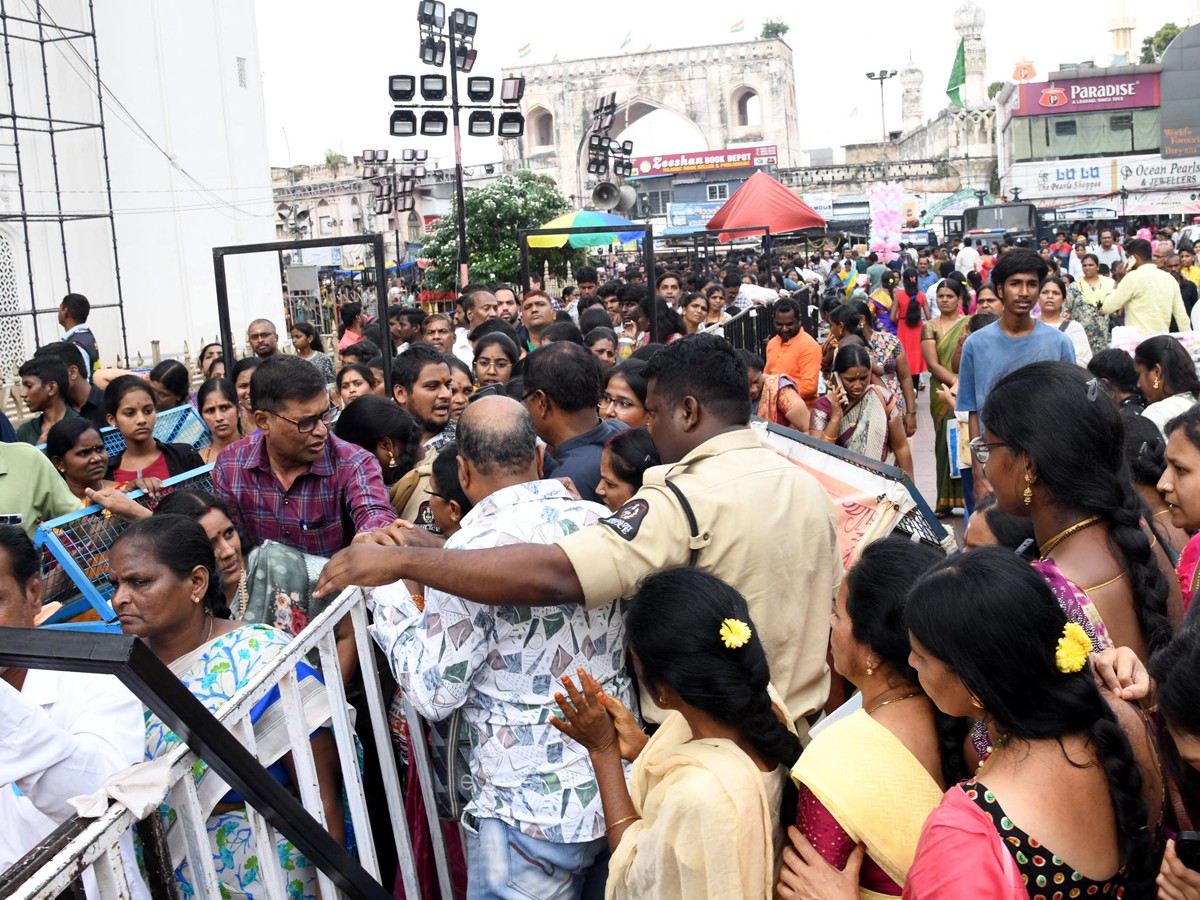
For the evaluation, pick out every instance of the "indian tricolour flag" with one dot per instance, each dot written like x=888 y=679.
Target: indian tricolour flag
x=628 y=38
x=739 y=25
x=524 y=51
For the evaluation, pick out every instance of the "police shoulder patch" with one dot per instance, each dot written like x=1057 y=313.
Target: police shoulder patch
x=628 y=519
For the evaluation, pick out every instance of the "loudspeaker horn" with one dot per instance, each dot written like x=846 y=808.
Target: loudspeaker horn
x=605 y=195
x=626 y=199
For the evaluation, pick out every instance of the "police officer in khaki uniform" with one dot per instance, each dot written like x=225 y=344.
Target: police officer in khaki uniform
x=723 y=503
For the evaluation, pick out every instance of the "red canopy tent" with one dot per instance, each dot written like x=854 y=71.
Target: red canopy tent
x=764 y=201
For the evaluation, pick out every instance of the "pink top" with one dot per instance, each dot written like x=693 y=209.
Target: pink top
x=835 y=846
x=961 y=855
x=1185 y=569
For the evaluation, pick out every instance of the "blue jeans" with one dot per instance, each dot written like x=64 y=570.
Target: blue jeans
x=968 y=487
x=505 y=864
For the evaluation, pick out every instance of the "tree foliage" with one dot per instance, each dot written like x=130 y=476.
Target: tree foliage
x=495 y=214
x=1154 y=45
x=774 y=28
x=333 y=159
x=994 y=88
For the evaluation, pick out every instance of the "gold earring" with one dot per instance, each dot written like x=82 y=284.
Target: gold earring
x=870 y=668
x=1157 y=384
x=391 y=460
x=1027 y=494
x=195 y=599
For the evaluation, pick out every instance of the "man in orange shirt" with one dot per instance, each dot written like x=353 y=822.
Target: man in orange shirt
x=792 y=352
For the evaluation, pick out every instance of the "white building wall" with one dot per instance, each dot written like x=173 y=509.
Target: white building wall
x=174 y=68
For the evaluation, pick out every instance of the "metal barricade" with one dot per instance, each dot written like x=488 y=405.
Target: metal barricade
x=74 y=556
x=226 y=742
x=181 y=425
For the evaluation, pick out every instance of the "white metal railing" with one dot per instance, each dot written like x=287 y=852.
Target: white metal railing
x=98 y=842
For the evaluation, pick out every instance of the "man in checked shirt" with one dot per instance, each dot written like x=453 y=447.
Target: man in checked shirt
x=293 y=481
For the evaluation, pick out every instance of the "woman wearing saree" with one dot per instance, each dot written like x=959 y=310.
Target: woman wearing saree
x=858 y=415
x=874 y=775
x=1085 y=296
x=940 y=338
x=167 y=591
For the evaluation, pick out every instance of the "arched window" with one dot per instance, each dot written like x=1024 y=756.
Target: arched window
x=540 y=127
x=747 y=108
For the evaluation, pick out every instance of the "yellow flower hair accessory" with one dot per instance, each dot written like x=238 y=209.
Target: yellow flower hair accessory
x=1073 y=649
x=736 y=633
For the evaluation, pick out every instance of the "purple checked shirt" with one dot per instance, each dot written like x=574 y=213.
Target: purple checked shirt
x=340 y=494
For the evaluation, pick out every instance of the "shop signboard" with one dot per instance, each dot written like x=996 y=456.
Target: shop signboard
x=1074 y=95
x=705 y=161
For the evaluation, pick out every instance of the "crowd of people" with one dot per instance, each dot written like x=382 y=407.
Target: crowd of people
x=572 y=543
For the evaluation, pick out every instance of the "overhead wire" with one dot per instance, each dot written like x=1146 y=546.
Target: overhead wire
x=128 y=119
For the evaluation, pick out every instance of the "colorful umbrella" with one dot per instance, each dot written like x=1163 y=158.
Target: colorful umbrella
x=585 y=218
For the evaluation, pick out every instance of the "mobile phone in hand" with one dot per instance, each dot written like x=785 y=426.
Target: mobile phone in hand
x=1187 y=848
x=837 y=380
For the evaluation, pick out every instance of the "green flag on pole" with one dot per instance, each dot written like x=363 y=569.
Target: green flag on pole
x=958 y=74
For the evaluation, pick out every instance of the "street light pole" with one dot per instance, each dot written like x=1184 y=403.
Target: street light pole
x=459 y=198
x=882 y=76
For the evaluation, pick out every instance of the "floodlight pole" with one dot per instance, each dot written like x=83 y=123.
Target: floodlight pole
x=460 y=199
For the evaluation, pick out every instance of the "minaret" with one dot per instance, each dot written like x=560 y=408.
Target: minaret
x=1121 y=28
x=913 y=104
x=968 y=22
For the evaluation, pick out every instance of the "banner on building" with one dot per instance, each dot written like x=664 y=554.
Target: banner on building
x=1102 y=175
x=706 y=161
x=686 y=218
x=1068 y=95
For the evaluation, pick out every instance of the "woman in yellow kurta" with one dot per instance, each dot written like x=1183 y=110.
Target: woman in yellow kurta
x=701 y=814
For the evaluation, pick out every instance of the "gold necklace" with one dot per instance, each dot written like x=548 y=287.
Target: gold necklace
x=243 y=596
x=1045 y=549
x=208 y=637
x=1161 y=512
x=893 y=700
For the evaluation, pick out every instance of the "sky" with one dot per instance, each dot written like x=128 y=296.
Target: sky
x=325 y=66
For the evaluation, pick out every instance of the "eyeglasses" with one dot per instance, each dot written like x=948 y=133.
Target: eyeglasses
x=620 y=402
x=309 y=423
x=500 y=365
x=982 y=450
x=436 y=494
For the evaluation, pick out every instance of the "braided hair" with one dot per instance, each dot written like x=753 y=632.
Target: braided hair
x=674 y=627
x=912 y=315
x=1075 y=436
x=1002 y=646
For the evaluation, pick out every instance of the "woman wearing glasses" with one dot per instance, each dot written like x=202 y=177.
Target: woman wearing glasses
x=624 y=395
x=495 y=359
x=1041 y=423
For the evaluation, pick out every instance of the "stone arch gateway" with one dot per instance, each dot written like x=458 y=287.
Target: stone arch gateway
x=710 y=86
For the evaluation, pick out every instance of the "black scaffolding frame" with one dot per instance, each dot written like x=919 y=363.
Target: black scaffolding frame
x=43 y=31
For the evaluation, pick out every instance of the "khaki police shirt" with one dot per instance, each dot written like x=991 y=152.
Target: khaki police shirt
x=415 y=507
x=765 y=526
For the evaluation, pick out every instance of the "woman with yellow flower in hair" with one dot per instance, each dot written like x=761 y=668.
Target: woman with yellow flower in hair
x=1069 y=803
x=700 y=816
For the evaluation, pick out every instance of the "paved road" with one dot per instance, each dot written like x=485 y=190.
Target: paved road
x=924 y=464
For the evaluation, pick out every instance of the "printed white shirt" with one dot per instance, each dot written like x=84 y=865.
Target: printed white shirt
x=503 y=664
